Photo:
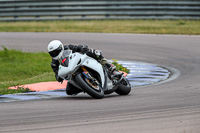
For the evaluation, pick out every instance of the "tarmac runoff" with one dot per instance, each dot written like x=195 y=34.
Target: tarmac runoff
x=141 y=74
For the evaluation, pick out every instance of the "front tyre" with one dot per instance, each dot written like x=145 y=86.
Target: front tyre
x=94 y=91
x=124 y=87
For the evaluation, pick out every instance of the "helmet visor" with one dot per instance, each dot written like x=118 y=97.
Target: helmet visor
x=56 y=52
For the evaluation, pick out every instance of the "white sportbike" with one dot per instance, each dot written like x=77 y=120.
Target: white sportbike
x=88 y=75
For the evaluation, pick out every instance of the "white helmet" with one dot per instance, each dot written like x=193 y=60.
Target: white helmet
x=55 y=49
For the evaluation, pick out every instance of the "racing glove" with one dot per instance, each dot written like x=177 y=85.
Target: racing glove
x=84 y=49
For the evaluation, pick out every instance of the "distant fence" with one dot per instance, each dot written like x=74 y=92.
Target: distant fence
x=14 y=10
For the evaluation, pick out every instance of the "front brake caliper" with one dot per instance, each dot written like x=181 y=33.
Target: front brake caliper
x=89 y=77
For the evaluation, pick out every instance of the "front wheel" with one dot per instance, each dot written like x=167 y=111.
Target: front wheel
x=124 y=87
x=94 y=91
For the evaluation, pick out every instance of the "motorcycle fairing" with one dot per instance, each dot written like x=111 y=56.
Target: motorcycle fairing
x=92 y=63
x=77 y=59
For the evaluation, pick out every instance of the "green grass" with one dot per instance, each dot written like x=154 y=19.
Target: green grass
x=18 y=68
x=191 y=27
x=120 y=67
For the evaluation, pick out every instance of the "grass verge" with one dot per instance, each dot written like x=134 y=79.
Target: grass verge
x=190 y=27
x=18 y=68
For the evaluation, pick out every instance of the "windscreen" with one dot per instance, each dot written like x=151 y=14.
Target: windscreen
x=66 y=53
x=64 y=60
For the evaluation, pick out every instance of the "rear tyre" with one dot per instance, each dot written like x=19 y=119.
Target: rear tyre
x=124 y=87
x=94 y=91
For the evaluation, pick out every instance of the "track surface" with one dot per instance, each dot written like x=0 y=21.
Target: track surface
x=172 y=107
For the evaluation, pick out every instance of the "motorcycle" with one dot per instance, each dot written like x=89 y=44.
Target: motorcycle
x=89 y=76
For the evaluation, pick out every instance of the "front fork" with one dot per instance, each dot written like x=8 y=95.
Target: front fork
x=88 y=76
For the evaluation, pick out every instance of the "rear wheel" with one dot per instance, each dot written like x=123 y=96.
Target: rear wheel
x=94 y=90
x=124 y=87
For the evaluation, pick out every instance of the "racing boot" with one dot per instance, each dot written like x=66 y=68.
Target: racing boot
x=113 y=72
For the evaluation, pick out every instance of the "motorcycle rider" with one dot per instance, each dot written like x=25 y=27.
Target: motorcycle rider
x=56 y=48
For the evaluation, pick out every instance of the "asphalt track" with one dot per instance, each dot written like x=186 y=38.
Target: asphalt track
x=171 y=107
